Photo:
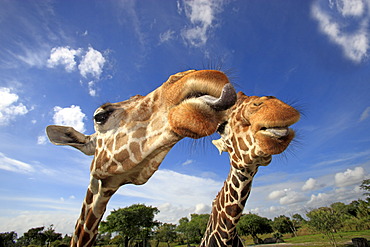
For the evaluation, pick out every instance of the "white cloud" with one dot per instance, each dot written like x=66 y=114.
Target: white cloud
x=202 y=15
x=92 y=63
x=168 y=181
x=310 y=184
x=350 y=177
x=41 y=140
x=202 y=208
x=63 y=221
x=70 y=116
x=176 y=195
x=9 y=106
x=287 y=196
x=365 y=114
x=34 y=57
x=92 y=91
x=64 y=56
x=292 y=197
x=351 y=8
x=321 y=199
x=277 y=194
x=13 y=165
x=187 y=162
x=166 y=36
x=334 y=22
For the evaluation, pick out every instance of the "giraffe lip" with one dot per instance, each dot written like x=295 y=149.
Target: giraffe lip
x=277 y=132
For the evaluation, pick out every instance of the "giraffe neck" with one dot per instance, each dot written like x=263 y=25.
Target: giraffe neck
x=245 y=158
x=93 y=208
x=228 y=207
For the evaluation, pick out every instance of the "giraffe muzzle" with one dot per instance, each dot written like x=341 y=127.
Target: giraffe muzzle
x=224 y=102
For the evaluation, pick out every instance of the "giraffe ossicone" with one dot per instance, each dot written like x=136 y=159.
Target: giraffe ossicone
x=255 y=128
x=132 y=137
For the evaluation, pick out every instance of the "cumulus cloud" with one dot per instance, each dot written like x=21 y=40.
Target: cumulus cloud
x=351 y=8
x=174 y=195
x=277 y=194
x=321 y=199
x=63 y=221
x=92 y=90
x=70 y=116
x=13 y=165
x=64 y=56
x=291 y=198
x=9 y=106
x=92 y=63
x=168 y=181
x=310 y=184
x=287 y=196
x=202 y=16
x=350 y=177
x=333 y=22
x=365 y=114
x=202 y=208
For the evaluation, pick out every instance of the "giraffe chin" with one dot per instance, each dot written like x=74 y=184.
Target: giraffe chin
x=273 y=144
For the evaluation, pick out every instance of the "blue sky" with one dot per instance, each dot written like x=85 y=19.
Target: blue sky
x=60 y=60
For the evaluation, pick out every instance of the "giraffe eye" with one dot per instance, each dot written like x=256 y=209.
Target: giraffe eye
x=102 y=117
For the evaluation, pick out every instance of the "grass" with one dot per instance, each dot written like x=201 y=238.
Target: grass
x=344 y=239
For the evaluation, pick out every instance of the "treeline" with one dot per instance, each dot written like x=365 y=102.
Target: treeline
x=135 y=226
x=38 y=236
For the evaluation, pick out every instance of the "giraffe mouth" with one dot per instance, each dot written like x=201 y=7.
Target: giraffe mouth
x=222 y=103
x=275 y=132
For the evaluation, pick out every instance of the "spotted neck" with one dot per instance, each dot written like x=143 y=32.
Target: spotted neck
x=229 y=204
x=93 y=208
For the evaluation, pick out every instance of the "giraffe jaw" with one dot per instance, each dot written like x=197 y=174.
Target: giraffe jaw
x=274 y=140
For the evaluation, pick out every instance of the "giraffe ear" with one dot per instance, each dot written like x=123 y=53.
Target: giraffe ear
x=62 y=135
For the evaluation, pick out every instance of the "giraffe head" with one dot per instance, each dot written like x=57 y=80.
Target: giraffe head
x=133 y=136
x=257 y=127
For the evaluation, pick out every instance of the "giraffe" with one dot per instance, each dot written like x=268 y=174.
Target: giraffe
x=132 y=137
x=255 y=129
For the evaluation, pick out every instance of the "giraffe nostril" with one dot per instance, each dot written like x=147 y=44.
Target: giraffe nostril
x=257 y=103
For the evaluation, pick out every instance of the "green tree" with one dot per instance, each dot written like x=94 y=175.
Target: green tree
x=165 y=233
x=184 y=229
x=103 y=239
x=33 y=236
x=283 y=224
x=352 y=208
x=325 y=220
x=365 y=185
x=298 y=221
x=252 y=224
x=51 y=235
x=198 y=226
x=8 y=239
x=66 y=240
x=135 y=221
x=363 y=209
x=193 y=230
